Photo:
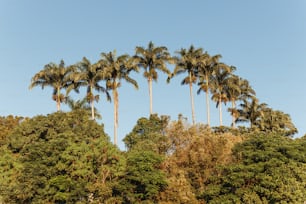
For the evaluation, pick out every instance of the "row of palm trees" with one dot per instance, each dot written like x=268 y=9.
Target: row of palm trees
x=212 y=77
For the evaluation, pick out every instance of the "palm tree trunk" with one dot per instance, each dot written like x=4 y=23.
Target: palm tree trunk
x=220 y=111
x=207 y=108
x=191 y=98
x=151 y=95
x=207 y=103
x=116 y=105
x=58 y=100
x=92 y=99
x=233 y=114
x=92 y=110
x=58 y=106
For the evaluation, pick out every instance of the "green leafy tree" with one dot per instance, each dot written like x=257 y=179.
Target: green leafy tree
x=56 y=76
x=188 y=62
x=115 y=70
x=144 y=178
x=62 y=158
x=266 y=169
x=152 y=59
x=149 y=133
x=89 y=75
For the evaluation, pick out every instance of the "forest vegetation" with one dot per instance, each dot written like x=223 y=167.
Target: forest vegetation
x=66 y=157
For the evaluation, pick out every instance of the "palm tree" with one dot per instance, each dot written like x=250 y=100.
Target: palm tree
x=116 y=69
x=276 y=121
x=206 y=68
x=251 y=111
x=152 y=59
x=81 y=105
x=233 y=92
x=188 y=62
x=246 y=91
x=89 y=75
x=220 y=81
x=238 y=89
x=56 y=76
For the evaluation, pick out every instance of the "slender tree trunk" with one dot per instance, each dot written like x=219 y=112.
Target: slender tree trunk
x=207 y=103
x=233 y=114
x=151 y=95
x=58 y=100
x=192 y=102
x=92 y=109
x=220 y=111
x=116 y=106
x=207 y=109
x=58 y=105
x=92 y=99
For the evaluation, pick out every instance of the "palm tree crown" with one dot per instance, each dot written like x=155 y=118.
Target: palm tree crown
x=251 y=111
x=152 y=59
x=56 y=76
x=89 y=75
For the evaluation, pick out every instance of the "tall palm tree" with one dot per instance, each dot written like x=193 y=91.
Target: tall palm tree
x=56 y=76
x=239 y=89
x=188 y=62
x=116 y=69
x=233 y=92
x=206 y=68
x=152 y=59
x=220 y=81
x=89 y=75
x=81 y=105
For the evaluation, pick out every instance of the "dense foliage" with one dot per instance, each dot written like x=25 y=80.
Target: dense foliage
x=67 y=158
x=265 y=169
x=59 y=158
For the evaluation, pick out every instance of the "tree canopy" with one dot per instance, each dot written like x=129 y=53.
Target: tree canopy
x=59 y=158
x=67 y=158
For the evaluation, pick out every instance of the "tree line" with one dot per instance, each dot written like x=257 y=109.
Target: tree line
x=215 y=78
x=65 y=157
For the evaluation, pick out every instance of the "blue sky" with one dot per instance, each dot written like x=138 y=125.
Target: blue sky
x=265 y=40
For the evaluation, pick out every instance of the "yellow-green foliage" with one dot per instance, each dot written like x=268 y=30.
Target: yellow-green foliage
x=7 y=124
x=194 y=154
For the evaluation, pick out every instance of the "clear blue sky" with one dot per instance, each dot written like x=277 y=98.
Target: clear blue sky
x=265 y=40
